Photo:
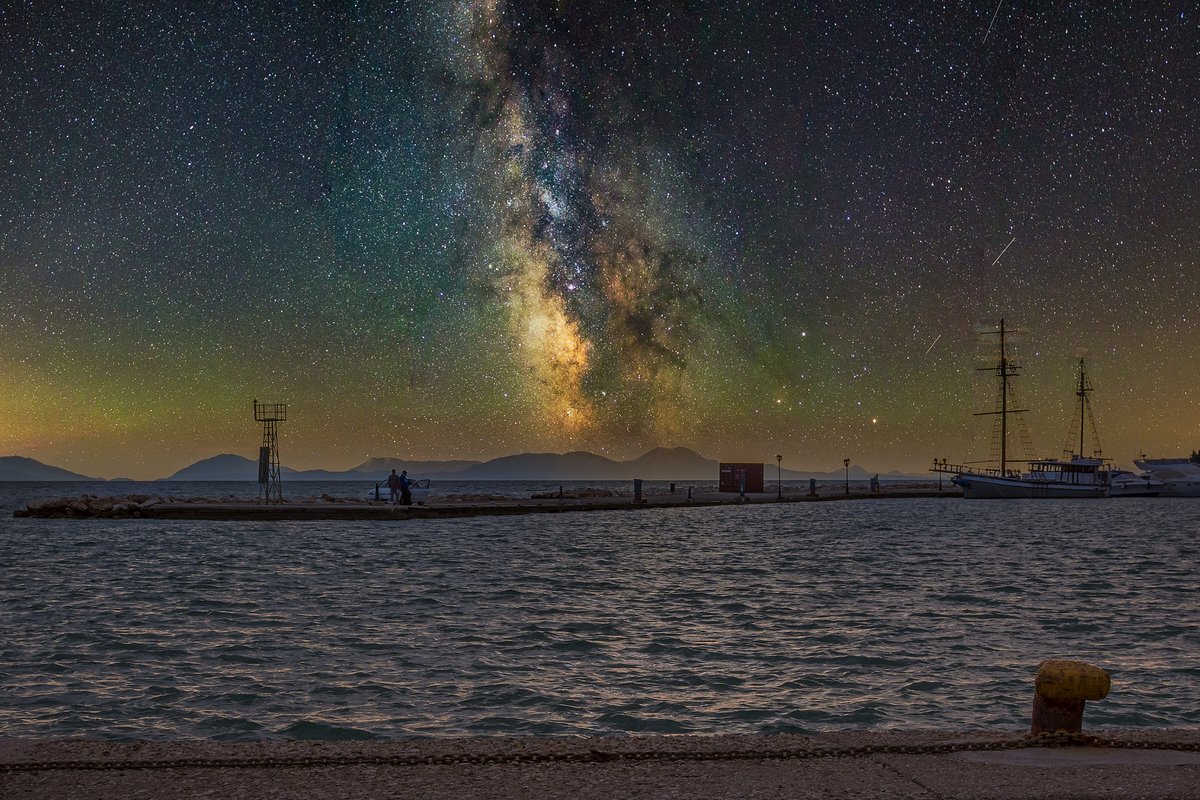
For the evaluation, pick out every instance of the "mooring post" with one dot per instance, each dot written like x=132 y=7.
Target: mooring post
x=1060 y=689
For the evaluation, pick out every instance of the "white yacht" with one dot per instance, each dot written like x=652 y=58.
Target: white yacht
x=1180 y=477
x=1123 y=483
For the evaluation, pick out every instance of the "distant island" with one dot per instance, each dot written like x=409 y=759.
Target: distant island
x=663 y=464
x=19 y=468
x=659 y=464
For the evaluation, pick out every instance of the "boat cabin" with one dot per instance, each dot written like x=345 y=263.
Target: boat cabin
x=1078 y=470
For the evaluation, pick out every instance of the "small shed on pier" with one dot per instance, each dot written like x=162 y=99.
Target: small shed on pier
x=734 y=473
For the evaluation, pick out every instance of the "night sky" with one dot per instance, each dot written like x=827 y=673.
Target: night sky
x=454 y=229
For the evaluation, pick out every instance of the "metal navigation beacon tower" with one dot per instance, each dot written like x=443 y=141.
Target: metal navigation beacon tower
x=270 y=415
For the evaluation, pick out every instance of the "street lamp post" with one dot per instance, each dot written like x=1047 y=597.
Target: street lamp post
x=779 y=475
x=846 y=464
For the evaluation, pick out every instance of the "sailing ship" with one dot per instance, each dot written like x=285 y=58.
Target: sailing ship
x=1073 y=476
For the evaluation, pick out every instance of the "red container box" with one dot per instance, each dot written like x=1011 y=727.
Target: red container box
x=733 y=474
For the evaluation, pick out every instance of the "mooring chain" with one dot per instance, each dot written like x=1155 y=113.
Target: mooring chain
x=1060 y=739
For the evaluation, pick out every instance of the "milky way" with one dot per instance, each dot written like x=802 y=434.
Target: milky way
x=601 y=281
x=465 y=229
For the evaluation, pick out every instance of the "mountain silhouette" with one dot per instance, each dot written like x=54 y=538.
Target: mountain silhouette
x=383 y=466
x=225 y=467
x=677 y=463
x=674 y=463
x=660 y=464
x=20 y=468
x=575 y=466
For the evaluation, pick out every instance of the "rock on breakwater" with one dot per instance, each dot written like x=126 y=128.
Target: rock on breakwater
x=90 y=505
x=575 y=494
x=123 y=506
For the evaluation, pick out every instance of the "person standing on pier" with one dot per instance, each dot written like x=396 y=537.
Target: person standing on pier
x=405 y=483
x=394 y=483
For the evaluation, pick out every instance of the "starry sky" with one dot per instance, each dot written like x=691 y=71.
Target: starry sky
x=470 y=228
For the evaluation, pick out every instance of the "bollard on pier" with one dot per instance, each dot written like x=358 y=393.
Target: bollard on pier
x=1060 y=689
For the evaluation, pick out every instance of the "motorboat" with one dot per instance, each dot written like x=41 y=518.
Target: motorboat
x=1180 y=477
x=1123 y=483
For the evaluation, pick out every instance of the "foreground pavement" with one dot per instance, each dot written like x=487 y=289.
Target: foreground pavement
x=1143 y=764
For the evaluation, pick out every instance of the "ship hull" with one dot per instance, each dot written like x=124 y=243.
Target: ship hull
x=1134 y=492
x=988 y=487
x=1122 y=483
x=1180 y=489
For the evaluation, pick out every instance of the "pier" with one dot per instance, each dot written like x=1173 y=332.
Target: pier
x=333 y=508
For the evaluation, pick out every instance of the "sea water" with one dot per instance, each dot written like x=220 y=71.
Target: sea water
x=801 y=617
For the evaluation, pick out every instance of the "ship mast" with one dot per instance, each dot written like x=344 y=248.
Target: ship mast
x=1004 y=370
x=1085 y=417
x=1083 y=390
x=1003 y=399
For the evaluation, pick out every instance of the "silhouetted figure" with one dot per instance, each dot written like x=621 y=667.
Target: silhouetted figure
x=395 y=484
x=405 y=492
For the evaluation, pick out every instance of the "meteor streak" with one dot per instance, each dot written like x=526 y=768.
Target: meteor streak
x=1005 y=250
x=993 y=22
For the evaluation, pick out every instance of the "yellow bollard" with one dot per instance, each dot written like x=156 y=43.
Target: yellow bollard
x=1060 y=689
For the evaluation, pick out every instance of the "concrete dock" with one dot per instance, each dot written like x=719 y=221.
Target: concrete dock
x=170 y=508
x=1125 y=764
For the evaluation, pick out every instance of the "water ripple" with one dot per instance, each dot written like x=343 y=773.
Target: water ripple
x=796 y=618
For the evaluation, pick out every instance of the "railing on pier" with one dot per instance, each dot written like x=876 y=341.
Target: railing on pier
x=963 y=469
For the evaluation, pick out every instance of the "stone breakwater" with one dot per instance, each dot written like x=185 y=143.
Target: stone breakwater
x=575 y=494
x=328 y=507
x=133 y=505
x=91 y=505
